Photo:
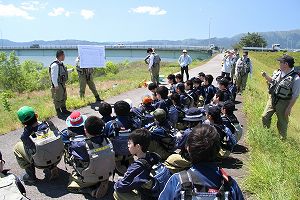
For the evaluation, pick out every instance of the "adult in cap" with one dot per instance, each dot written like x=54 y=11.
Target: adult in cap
x=284 y=89
x=184 y=61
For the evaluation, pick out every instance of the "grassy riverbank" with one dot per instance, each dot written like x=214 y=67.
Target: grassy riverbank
x=274 y=164
x=119 y=78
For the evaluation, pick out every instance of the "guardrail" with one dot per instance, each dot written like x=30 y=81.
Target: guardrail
x=162 y=47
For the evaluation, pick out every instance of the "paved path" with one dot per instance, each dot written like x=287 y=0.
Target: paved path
x=57 y=189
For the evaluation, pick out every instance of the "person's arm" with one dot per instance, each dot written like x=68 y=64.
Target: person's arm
x=54 y=74
x=266 y=76
x=172 y=189
x=190 y=60
x=130 y=180
x=151 y=58
x=296 y=92
x=179 y=60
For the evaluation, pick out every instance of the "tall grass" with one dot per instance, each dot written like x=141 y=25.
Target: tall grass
x=126 y=77
x=274 y=164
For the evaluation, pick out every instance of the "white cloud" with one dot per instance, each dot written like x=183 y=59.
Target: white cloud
x=59 y=11
x=33 y=5
x=151 y=10
x=10 y=10
x=87 y=14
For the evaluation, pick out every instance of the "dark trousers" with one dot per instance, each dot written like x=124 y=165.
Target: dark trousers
x=224 y=74
x=186 y=70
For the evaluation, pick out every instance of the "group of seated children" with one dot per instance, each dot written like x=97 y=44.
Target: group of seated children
x=166 y=148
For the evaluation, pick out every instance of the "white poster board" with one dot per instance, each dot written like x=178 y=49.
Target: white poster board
x=91 y=56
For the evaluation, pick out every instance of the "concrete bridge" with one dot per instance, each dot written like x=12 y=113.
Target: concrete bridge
x=45 y=54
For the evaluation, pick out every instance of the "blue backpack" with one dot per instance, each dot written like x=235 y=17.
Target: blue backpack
x=159 y=176
x=120 y=139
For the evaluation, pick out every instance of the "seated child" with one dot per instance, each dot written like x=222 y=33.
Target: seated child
x=204 y=178
x=91 y=168
x=136 y=180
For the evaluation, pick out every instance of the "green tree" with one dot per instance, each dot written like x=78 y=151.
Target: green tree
x=253 y=40
x=11 y=74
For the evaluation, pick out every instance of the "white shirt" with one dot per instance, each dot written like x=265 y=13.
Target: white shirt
x=54 y=73
x=227 y=64
x=151 y=59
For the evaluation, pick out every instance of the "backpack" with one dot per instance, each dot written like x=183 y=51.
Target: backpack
x=283 y=88
x=11 y=188
x=228 y=139
x=192 y=187
x=159 y=175
x=101 y=162
x=49 y=146
x=156 y=60
x=167 y=142
x=120 y=139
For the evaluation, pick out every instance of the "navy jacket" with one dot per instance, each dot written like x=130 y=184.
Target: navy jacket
x=208 y=173
x=122 y=121
x=210 y=92
x=135 y=177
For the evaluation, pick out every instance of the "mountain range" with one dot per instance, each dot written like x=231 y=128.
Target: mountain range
x=287 y=39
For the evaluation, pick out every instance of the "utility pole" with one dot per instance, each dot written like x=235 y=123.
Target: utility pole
x=209 y=32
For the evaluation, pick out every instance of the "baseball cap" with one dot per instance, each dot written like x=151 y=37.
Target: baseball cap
x=184 y=51
x=76 y=119
x=160 y=115
x=286 y=58
x=25 y=113
x=147 y=100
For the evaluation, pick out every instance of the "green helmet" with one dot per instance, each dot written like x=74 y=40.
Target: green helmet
x=25 y=114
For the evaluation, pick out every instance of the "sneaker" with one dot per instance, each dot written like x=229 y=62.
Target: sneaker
x=51 y=174
x=101 y=190
x=27 y=179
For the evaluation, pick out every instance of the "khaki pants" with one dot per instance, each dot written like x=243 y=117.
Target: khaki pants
x=23 y=159
x=86 y=80
x=279 y=108
x=59 y=96
x=75 y=183
x=241 y=82
x=155 y=74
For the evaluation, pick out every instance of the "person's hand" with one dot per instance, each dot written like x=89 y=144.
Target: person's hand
x=287 y=112
x=264 y=74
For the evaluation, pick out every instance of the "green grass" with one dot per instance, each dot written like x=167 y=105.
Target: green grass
x=274 y=164
x=129 y=77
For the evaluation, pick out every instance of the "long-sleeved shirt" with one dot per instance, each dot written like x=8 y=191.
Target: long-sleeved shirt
x=227 y=64
x=136 y=176
x=184 y=60
x=151 y=61
x=54 y=72
x=210 y=177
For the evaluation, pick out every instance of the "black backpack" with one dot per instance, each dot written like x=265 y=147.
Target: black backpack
x=193 y=188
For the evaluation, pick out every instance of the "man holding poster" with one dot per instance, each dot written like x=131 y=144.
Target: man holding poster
x=90 y=56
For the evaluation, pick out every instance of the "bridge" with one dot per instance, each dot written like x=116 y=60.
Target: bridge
x=45 y=54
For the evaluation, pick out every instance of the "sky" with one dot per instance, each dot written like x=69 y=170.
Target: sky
x=139 y=20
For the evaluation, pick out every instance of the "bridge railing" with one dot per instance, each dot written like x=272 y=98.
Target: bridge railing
x=162 y=47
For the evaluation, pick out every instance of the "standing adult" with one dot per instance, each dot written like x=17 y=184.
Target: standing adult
x=243 y=68
x=153 y=61
x=85 y=76
x=59 y=76
x=227 y=63
x=236 y=57
x=284 y=90
x=184 y=61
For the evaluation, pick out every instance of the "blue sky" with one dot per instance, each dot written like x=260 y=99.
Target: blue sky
x=136 y=20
